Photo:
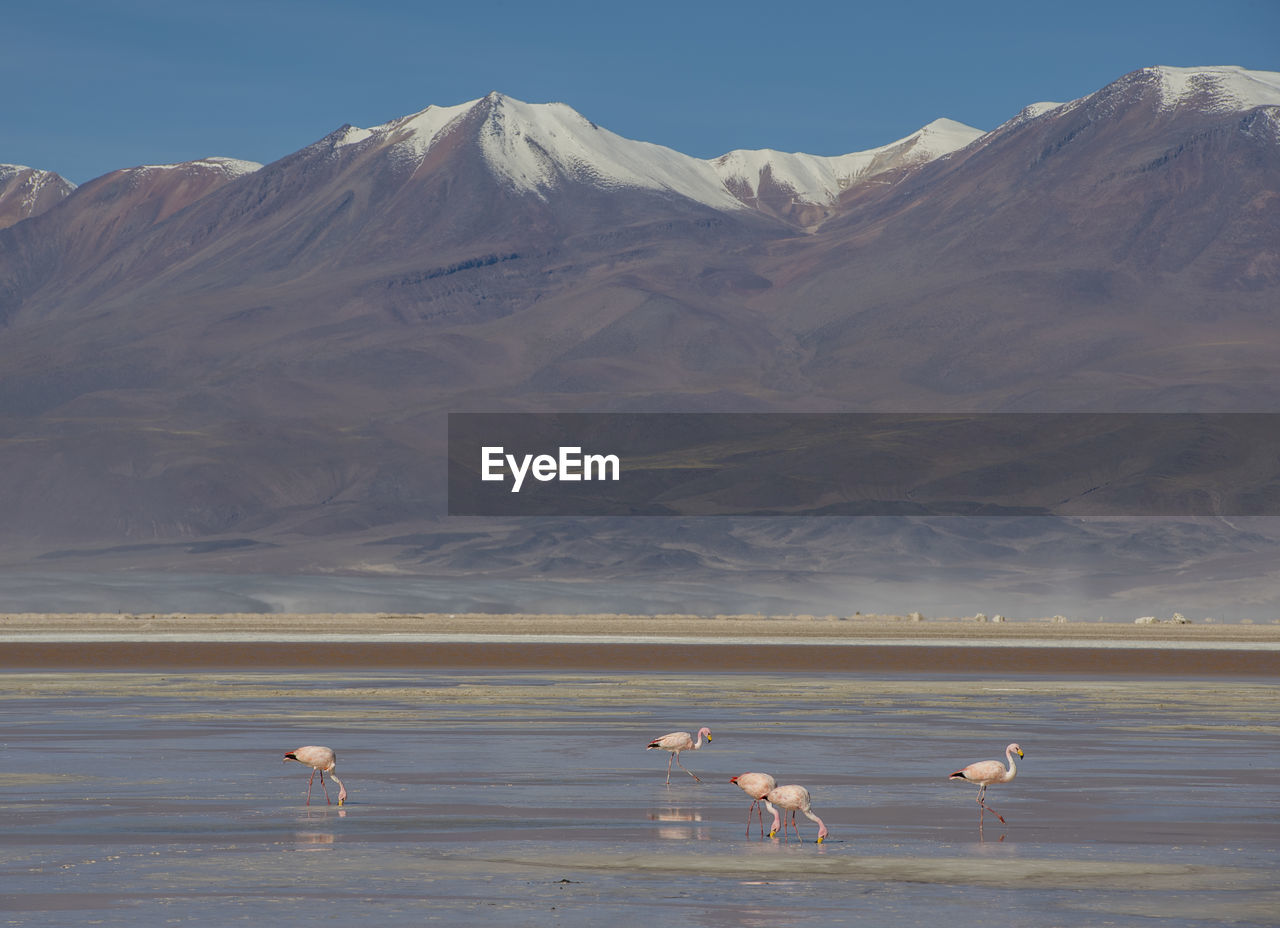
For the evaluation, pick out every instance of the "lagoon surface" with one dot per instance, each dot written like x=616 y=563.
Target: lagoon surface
x=526 y=798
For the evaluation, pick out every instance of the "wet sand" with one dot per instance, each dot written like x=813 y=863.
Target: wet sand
x=745 y=643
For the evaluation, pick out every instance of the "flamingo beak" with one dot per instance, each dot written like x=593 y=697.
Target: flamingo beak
x=1020 y=754
x=708 y=739
x=821 y=838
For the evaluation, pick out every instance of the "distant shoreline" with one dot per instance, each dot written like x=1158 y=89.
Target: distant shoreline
x=860 y=644
x=806 y=626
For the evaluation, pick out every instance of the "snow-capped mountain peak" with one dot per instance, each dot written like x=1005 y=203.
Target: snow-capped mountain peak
x=940 y=137
x=535 y=148
x=1216 y=89
x=27 y=192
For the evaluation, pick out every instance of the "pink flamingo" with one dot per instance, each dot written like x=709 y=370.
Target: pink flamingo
x=796 y=799
x=986 y=772
x=676 y=742
x=757 y=786
x=321 y=760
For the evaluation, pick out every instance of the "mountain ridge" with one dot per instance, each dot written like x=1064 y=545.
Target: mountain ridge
x=553 y=151
x=262 y=358
x=1218 y=88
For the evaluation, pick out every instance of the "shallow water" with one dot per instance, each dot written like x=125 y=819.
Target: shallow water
x=528 y=799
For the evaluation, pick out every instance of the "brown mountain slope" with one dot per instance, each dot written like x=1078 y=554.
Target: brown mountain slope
x=267 y=358
x=1106 y=254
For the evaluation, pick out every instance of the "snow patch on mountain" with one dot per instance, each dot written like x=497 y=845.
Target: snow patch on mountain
x=1036 y=110
x=1032 y=112
x=811 y=178
x=938 y=138
x=1218 y=89
x=535 y=147
x=819 y=180
x=409 y=138
x=26 y=191
x=350 y=135
x=231 y=167
x=33 y=178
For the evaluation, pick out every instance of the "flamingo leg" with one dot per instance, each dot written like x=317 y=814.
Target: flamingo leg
x=682 y=767
x=309 y=782
x=669 y=760
x=327 y=801
x=982 y=790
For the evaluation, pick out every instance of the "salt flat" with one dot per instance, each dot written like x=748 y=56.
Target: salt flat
x=515 y=797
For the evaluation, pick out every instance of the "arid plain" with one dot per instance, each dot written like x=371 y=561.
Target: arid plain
x=629 y=642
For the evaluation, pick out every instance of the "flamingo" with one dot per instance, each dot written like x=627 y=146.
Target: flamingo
x=796 y=799
x=757 y=786
x=320 y=760
x=986 y=772
x=676 y=742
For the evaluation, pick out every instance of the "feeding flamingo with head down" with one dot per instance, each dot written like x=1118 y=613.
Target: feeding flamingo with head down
x=321 y=760
x=676 y=742
x=757 y=786
x=796 y=799
x=987 y=772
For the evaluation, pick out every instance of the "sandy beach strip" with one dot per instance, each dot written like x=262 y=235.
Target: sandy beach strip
x=622 y=642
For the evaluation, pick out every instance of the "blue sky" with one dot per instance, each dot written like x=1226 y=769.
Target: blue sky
x=95 y=86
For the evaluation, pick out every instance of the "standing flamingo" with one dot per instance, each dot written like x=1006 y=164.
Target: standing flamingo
x=986 y=772
x=321 y=760
x=795 y=799
x=757 y=786
x=676 y=742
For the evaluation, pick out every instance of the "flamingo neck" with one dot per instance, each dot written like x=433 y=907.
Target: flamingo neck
x=1013 y=767
x=822 y=828
x=774 y=812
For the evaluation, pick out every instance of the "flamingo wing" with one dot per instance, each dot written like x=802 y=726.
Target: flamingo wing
x=314 y=755
x=789 y=797
x=755 y=785
x=676 y=741
x=984 y=771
